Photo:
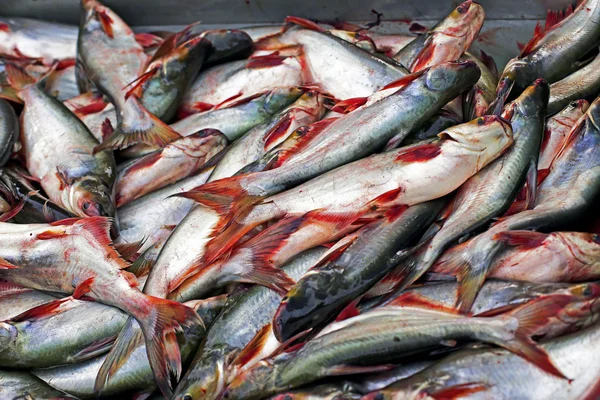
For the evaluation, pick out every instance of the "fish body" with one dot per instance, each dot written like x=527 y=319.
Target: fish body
x=479 y=98
x=581 y=84
x=62 y=84
x=9 y=130
x=23 y=385
x=228 y=45
x=15 y=299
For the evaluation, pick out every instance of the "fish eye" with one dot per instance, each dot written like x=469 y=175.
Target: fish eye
x=587 y=291
x=187 y=397
x=86 y=205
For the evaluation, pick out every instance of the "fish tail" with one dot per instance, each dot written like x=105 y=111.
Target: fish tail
x=531 y=317
x=17 y=77
x=138 y=126
x=129 y=338
x=159 y=322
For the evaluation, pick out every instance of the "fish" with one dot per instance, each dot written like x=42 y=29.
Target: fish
x=390 y=44
x=564 y=196
x=24 y=385
x=109 y=56
x=556 y=132
x=169 y=73
x=554 y=51
x=385 y=181
x=350 y=269
x=446 y=41
x=175 y=161
x=390 y=332
x=499 y=374
x=548 y=257
x=75 y=257
x=136 y=375
x=490 y=192
x=307 y=109
x=228 y=45
x=225 y=83
x=71 y=174
x=62 y=83
x=97 y=114
x=239 y=116
x=9 y=131
x=348 y=138
x=583 y=84
x=241 y=319
x=32 y=39
x=440 y=121
x=16 y=299
x=325 y=391
x=259 y=32
x=478 y=99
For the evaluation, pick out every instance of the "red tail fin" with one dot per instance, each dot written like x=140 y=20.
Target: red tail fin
x=527 y=239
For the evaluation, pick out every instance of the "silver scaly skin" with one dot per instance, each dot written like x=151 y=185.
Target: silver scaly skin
x=24 y=385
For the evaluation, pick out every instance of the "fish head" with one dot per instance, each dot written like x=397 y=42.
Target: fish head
x=252 y=383
x=489 y=135
x=531 y=103
x=278 y=98
x=205 y=380
x=189 y=52
x=464 y=21
x=91 y=197
x=8 y=333
x=458 y=76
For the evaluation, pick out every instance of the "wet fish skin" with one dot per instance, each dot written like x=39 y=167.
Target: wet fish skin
x=136 y=375
x=429 y=130
x=330 y=286
x=9 y=130
x=17 y=384
x=479 y=98
x=228 y=45
x=506 y=376
x=581 y=84
x=13 y=303
x=62 y=84
x=490 y=192
x=243 y=318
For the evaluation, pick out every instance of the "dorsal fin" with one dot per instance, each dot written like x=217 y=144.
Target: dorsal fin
x=405 y=80
x=305 y=23
x=553 y=19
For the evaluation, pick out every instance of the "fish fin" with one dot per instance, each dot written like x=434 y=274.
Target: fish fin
x=128 y=250
x=158 y=134
x=497 y=311
x=285 y=346
x=489 y=62
x=130 y=278
x=142 y=265
x=531 y=194
x=99 y=229
x=458 y=391
x=173 y=42
x=470 y=280
x=542 y=174
x=106 y=22
x=200 y=106
x=345 y=369
x=574 y=133
x=402 y=82
x=385 y=200
x=148 y=40
x=42 y=311
x=417 y=29
x=94 y=349
x=128 y=339
x=349 y=105
x=420 y=153
x=334 y=253
x=106 y=129
x=83 y=288
x=135 y=86
x=538 y=33
x=17 y=77
x=52 y=234
x=351 y=310
x=532 y=316
x=266 y=61
x=254 y=347
x=413 y=299
x=66 y=221
x=505 y=85
x=526 y=239
x=269 y=276
x=278 y=131
x=305 y=23
x=96 y=105
x=423 y=57
x=159 y=323
x=16 y=209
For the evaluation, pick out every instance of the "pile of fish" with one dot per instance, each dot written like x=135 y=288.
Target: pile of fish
x=300 y=211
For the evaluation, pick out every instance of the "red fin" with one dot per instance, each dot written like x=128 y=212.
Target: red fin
x=42 y=311
x=4 y=27
x=458 y=391
x=6 y=265
x=422 y=153
x=269 y=276
x=351 y=310
x=148 y=39
x=285 y=346
x=413 y=299
x=356 y=369
x=527 y=239
x=52 y=234
x=385 y=198
x=239 y=102
x=253 y=348
x=99 y=228
x=269 y=60
x=417 y=28
x=144 y=162
x=135 y=86
x=96 y=348
x=106 y=22
x=17 y=77
x=349 y=105
x=14 y=211
x=220 y=195
x=93 y=107
x=66 y=221
x=201 y=106
x=172 y=42
x=520 y=46
x=107 y=129
x=305 y=23
x=533 y=316
x=542 y=174
x=278 y=131
x=8 y=288
x=424 y=57
x=395 y=212
x=83 y=288
x=158 y=134
x=130 y=278
x=64 y=64
x=400 y=83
